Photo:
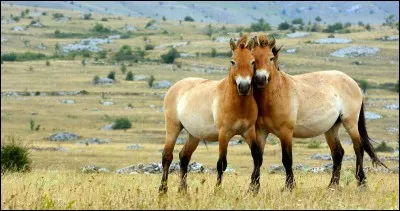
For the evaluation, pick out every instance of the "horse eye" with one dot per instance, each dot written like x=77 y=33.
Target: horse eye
x=271 y=59
x=252 y=63
x=232 y=62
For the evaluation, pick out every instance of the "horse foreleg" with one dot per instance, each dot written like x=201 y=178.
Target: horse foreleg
x=184 y=156
x=257 y=149
x=223 y=140
x=286 y=137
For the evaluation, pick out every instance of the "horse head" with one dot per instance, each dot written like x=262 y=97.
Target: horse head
x=242 y=64
x=266 y=59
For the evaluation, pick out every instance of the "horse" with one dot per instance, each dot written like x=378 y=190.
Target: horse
x=308 y=105
x=213 y=110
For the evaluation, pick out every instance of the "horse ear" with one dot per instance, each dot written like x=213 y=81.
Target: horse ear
x=250 y=44
x=232 y=44
x=275 y=51
x=272 y=43
x=256 y=41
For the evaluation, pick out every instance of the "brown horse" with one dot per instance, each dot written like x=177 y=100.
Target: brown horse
x=213 y=110
x=308 y=105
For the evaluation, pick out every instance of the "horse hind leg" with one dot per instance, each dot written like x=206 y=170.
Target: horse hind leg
x=173 y=128
x=184 y=156
x=352 y=129
x=337 y=152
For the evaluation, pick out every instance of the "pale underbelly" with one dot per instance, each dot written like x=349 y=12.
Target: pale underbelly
x=315 y=125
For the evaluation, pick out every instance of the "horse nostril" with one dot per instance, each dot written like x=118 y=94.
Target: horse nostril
x=240 y=86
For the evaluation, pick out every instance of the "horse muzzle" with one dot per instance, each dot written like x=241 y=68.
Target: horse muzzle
x=261 y=79
x=243 y=88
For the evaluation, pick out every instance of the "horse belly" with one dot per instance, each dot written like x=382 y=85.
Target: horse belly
x=316 y=123
x=198 y=119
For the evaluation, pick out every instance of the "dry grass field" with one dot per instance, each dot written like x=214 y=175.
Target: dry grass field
x=56 y=181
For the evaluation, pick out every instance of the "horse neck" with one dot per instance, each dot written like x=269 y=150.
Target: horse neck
x=277 y=86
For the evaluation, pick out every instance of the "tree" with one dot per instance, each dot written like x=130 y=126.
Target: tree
x=209 y=30
x=284 y=26
x=123 y=68
x=368 y=27
x=364 y=85
x=150 y=81
x=170 y=57
x=129 y=76
x=188 y=18
x=111 y=75
x=297 y=21
x=260 y=26
x=318 y=19
x=213 y=52
x=390 y=20
x=164 y=18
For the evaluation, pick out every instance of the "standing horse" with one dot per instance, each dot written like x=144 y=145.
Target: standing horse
x=213 y=110
x=308 y=105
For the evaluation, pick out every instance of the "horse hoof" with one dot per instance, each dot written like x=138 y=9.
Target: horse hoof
x=162 y=189
x=253 y=189
x=182 y=189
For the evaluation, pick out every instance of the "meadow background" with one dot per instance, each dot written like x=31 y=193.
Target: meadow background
x=47 y=88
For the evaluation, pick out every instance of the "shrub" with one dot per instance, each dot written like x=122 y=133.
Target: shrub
x=260 y=26
x=164 y=18
x=37 y=93
x=383 y=147
x=149 y=47
x=148 y=24
x=297 y=21
x=104 y=19
x=333 y=28
x=27 y=56
x=170 y=57
x=284 y=26
x=122 y=123
x=32 y=125
x=188 y=18
x=347 y=25
x=129 y=76
x=150 y=81
x=111 y=75
x=83 y=62
x=209 y=30
x=57 y=15
x=47 y=63
x=368 y=27
x=123 y=68
x=363 y=85
x=314 y=144
x=102 y=54
x=87 y=16
x=331 y=36
x=14 y=156
x=16 y=18
x=99 y=28
x=318 y=19
x=44 y=13
x=213 y=52
x=96 y=79
x=84 y=92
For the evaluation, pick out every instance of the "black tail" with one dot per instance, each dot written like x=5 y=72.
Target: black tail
x=365 y=140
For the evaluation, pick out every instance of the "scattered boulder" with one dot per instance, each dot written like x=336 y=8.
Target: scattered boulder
x=393 y=130
x=67 y=101
x=234 y=142
x=89 y=44
x=134 y=146
x=275 y=168
x=332 y=41
x=355 y=51
x=140 y=78
x=155 y=168
x=18 y=28
x=42 y=47
x=291 y=50
x=153 y=27
x=187 y=55
x=104 y=81
x=94 y=141
x=108 y=127
x=298 y=34
x=37 y=24
x=7 y=21
x=162 y=84
x=64 y=136
x=372 y=115
x=391 y=106
x=52 y=149
x=107 y=103
x=390 y=38
x=129 y=28
x=357 y=63
x=93 y=169
x=222 y=39
x=180 y=141
x=173 y=45
x=321 y=157
x=324 y=168
x=3 y=39
x=62 y=19
x=377 y=170
x=229 y=170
